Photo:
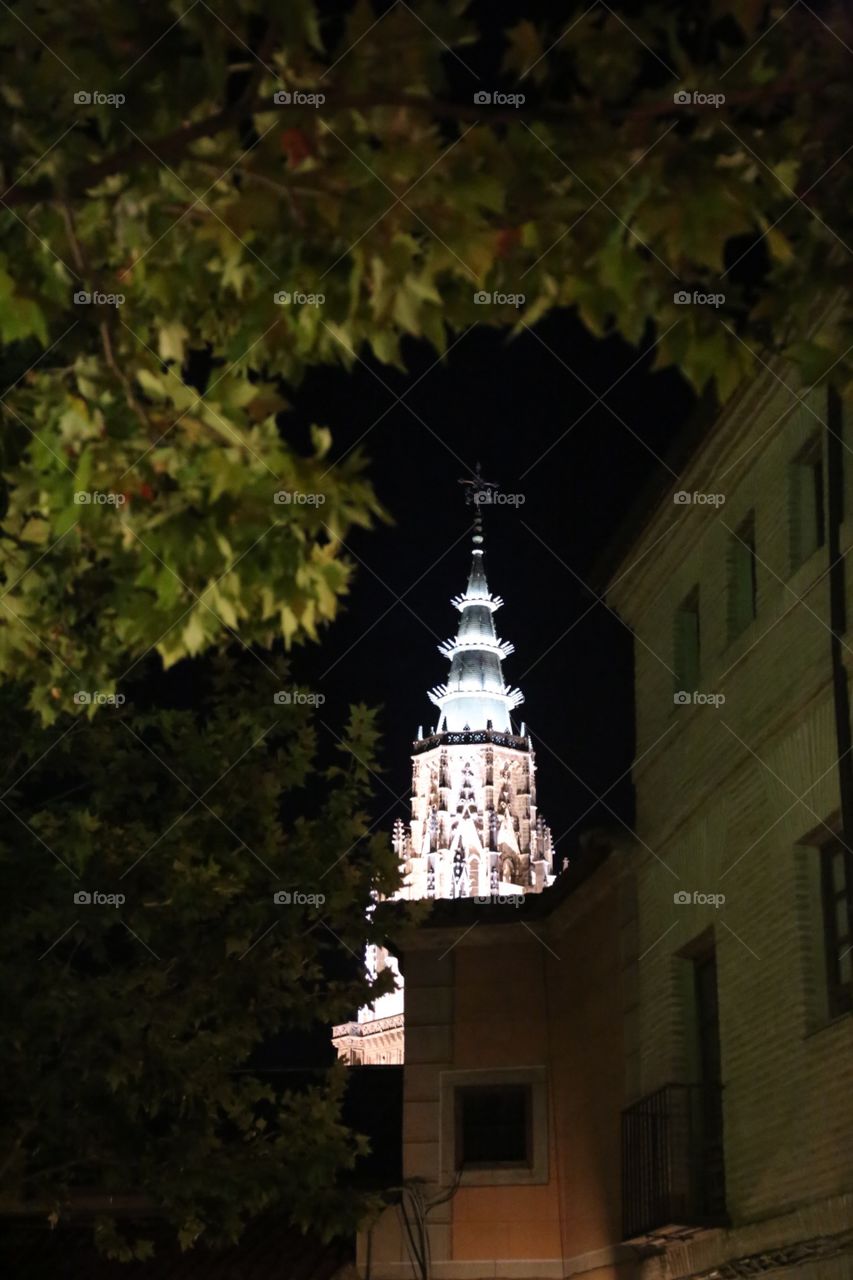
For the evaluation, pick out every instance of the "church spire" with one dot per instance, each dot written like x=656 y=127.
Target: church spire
x=475 y=829
x=475 y=696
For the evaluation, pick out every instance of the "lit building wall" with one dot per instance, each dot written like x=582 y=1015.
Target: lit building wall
x=540 y=1001
x=736 y=792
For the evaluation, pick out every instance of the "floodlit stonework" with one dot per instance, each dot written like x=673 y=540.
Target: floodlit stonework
x=738 y=810
x=475 y=831
x=375 y=1037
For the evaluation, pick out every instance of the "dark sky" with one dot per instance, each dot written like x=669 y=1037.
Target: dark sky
x=513 y=406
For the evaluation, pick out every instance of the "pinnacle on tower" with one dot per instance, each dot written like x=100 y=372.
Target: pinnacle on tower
x=475 y=695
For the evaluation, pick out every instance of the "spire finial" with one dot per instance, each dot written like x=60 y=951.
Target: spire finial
x=475 y=696
x=478 y=491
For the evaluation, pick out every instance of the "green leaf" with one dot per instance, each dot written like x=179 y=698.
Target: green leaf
x=172 y=341
x=194 y=635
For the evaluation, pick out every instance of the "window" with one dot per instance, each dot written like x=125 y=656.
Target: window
x=493 y=1126
x=742 y=594
x=686 y=643
x=806 y=502
x=838 y=937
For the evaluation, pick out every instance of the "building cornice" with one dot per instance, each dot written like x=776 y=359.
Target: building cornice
x=373 y=1027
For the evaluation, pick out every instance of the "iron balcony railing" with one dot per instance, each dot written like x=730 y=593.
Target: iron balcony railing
x=673 y=1170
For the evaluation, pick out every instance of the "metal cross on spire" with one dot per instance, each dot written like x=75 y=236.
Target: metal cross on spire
x=478 y=491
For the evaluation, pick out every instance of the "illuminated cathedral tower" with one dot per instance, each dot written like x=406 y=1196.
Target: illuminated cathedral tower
x=475 y=830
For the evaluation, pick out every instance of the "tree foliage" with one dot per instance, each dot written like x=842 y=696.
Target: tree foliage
x=398 y=199
x=127 y=1049
x=226 y=242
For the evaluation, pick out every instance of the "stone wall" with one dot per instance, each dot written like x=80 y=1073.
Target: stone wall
x=733 y=798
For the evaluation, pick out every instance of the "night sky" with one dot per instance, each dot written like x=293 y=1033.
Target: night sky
x=512 y=405
x=577 y=426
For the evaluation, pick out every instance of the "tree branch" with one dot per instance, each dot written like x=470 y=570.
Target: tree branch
x=103 y=327
x=176 y=143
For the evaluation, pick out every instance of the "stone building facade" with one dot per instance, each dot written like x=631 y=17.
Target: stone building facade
x=739 y=1036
